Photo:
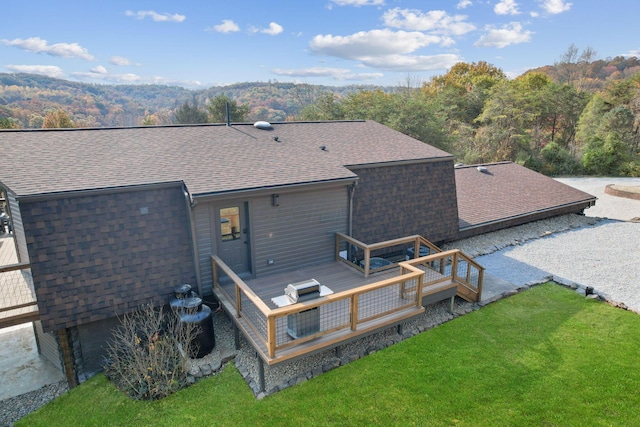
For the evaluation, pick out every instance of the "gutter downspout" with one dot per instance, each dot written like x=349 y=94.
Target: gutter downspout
x=191 y=203
x=352 y=190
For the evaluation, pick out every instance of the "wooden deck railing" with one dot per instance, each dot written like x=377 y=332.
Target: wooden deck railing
x=454 y=265
x=353 y=310
x=17 y=295
x=358 y=254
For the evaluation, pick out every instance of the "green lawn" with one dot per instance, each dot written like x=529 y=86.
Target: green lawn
x=544 y=357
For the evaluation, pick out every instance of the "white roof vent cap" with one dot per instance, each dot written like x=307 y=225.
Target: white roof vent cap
x=263 y=125
x=483 y=169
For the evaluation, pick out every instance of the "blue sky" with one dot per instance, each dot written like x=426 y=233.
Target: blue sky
x=198 y=44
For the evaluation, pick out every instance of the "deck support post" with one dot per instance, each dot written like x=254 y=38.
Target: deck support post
x=261 y=374
x=339 y=352
x=67 y=357
x=451 y=307
x=400 y=329
x=236 y=335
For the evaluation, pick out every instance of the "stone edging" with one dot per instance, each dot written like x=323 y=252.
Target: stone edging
x=611 y=190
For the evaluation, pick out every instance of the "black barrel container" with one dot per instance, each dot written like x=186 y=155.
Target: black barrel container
x=193 y=311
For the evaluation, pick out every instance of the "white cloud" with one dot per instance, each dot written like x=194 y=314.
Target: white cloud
x=335 y=73
x=273 y=30
x=155 y=16
x=358 y=3
x=412 y=63
x=508 y=34
x=463 y=4
x=227 y=26
x=436 y=21
x=45 y=70
x=555 y=6
x=371 y=43
x=119 y=61
x=38 y=45
x=99 y=70
x=385 y=49
x=506 y=7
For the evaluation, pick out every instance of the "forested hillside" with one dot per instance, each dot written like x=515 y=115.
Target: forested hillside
x=26 y=99
x=578 y=116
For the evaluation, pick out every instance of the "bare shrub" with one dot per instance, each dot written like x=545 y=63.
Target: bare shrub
x=148 y=351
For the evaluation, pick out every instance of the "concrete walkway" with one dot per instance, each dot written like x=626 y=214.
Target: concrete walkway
x=22 y=369
x=493 y=286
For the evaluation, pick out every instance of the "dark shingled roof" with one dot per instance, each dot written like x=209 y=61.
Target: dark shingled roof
x=507 y=190
x=209 y=159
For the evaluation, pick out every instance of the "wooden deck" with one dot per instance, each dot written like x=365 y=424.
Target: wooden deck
x=362 y=301
x=334 y=316
x=336 y=276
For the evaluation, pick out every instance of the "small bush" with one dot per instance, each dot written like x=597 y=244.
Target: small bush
x=147 y=355
x=557 y=160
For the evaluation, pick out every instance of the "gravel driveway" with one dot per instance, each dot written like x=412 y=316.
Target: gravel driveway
x=605 y=255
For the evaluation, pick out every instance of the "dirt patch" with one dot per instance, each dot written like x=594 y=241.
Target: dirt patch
x=628 y=191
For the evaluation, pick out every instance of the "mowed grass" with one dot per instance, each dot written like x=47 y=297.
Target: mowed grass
x=544 y=357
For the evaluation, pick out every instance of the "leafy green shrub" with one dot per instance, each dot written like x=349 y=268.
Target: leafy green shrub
x=147 y=355
x=603 y=157
x=557 y=160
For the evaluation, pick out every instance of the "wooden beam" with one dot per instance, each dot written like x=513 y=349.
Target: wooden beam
x=67 y=357
x=15 y=307
x=19 y=319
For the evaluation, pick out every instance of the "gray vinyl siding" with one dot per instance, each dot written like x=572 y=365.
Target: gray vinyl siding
x=300 y=231
x=205 y=241
x=48 y=345
x=18 y=228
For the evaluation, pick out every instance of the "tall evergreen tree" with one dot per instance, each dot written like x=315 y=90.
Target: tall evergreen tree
x=190 y=114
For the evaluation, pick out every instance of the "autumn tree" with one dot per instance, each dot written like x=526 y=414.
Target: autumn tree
x=608 y=132
x=6 y=123
x=57 y=119
x=327 y=107
x=464 y=89
x=574 y=67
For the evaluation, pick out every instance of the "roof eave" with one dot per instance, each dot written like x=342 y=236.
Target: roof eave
x=255 y=191
x=587 y=202
x=95 y=191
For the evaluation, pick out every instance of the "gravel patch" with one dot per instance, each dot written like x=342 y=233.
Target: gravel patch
x=14 y=408
x=491 y=242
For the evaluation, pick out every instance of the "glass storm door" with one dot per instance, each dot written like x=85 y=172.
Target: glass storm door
x=233 y=240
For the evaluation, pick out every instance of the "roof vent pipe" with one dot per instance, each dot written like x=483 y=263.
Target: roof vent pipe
x=228 y=114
